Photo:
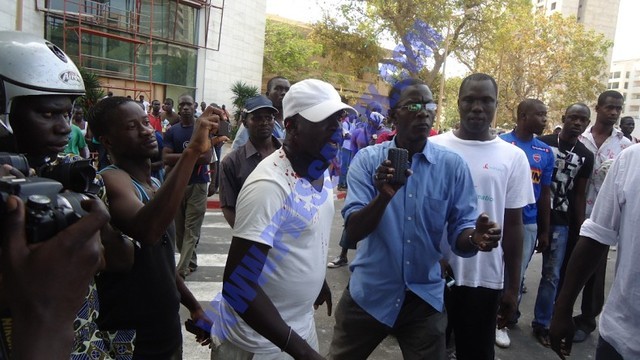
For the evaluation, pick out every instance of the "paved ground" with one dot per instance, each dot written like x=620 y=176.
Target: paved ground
x=206 y=282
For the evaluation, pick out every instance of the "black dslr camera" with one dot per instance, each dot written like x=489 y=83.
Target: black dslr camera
x=48 y=209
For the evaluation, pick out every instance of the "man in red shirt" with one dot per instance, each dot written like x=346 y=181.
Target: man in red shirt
x=154 y=116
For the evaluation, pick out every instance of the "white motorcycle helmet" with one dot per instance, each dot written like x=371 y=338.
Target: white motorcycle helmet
x=31 y=65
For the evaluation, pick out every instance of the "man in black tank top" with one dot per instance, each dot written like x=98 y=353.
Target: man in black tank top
x=147 y=298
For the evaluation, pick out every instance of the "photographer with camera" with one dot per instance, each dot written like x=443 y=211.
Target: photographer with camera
x=46 y=283
x=39 y=84
x=148 y=297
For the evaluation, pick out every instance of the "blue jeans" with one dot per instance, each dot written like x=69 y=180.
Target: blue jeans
x=551 y=263
x=345 y=160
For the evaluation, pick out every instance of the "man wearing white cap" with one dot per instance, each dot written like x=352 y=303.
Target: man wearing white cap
x=275 y=271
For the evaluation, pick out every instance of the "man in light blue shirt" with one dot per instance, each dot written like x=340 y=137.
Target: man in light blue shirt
x=396 y=286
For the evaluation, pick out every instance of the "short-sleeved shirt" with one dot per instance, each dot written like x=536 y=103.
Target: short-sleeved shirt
x=177 y=138
x=614 y=220
x=541 y=160
x=76 y=141
x=403 y=253
x=502 y=179
x=347 y=126
x=235 y=169
x=280 y=209
x=571 y=162
x=156 y=122
x=602 y=159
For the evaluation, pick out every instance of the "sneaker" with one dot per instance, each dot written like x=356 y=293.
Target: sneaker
x=502 y=338
x=580 y=336
x=451 y=354
x=338 y=262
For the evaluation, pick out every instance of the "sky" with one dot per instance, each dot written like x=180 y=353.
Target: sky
x=626 y=45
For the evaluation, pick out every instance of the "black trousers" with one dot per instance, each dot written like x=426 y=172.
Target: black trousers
x=472 y=315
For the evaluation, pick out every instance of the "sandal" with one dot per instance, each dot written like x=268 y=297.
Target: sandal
x=542 y=335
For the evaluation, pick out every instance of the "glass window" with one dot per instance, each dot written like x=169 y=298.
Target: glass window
x=172 y=64
x=170 y=20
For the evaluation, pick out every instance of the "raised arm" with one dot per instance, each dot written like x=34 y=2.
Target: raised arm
x=128 y=212
x=370 y=214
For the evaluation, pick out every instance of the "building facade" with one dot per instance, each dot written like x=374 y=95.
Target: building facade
x=155 y=48
x=598 y=15
x=625 y=78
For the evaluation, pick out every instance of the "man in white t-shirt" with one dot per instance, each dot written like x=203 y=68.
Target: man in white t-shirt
x=502 y=180
x=275 y=271
x=614 y=220
x=145 y=104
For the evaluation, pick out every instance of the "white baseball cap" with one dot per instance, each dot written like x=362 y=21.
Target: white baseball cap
x=313 y=99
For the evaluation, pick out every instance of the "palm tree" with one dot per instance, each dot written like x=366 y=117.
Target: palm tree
x=241 y=92
x=93 y=90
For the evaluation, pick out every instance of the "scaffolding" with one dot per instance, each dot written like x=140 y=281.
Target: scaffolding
x=100 y=19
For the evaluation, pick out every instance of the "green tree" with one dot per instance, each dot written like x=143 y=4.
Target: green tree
x=297 y=52
x=241 y=93
x=461 y=24
x=93 y=90
x=551 y=58
x=288 y=51
x=349 y=52
x=449 y=105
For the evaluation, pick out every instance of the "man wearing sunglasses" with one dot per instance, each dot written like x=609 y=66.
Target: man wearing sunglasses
x=396 y=286
x=502 y=179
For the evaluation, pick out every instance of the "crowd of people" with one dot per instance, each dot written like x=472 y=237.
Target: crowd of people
x=472 y=209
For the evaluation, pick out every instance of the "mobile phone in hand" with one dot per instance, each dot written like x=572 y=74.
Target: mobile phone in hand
x=400 y=162
x=191 y=327
x=224 y=128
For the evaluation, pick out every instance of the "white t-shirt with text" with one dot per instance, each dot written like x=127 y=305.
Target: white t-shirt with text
x=502 y=180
